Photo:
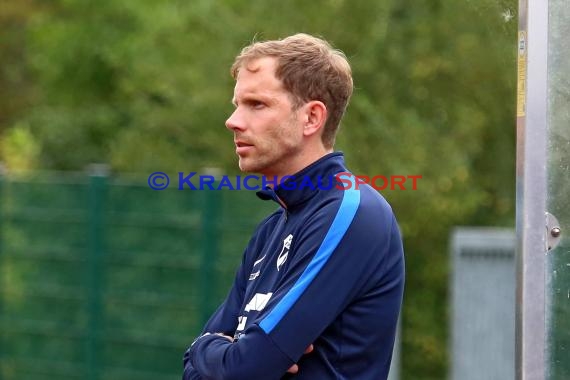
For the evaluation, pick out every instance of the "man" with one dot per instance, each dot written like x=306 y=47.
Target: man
x=324 y=273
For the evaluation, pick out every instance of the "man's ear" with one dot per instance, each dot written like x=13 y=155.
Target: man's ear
x=315 y=114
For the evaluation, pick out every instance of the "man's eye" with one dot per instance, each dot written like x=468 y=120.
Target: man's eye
x=257 y=105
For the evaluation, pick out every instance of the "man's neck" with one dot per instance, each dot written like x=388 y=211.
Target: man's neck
x=310 y=157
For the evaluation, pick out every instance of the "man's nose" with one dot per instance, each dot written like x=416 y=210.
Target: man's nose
x=235 y=121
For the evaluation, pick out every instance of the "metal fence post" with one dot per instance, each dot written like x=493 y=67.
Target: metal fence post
x=532 y=109
x=210 y=216
x=94 y=271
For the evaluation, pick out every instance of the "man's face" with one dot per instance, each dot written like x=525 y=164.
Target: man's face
x=268 y=134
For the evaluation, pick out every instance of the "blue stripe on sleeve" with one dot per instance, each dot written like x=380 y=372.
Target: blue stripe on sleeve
x=339 y=226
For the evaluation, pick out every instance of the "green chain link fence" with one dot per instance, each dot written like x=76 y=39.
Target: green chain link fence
x=104 y=278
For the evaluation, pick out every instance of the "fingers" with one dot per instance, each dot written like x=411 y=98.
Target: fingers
x=231 y=339
x=294 y=369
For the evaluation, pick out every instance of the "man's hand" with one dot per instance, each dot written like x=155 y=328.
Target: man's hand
x=231 y=339
x=295 y=368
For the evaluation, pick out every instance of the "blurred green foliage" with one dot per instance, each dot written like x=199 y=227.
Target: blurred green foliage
x=144 y=85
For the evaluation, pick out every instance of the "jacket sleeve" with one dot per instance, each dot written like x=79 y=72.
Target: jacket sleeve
x=323 y=277
x=189 y=372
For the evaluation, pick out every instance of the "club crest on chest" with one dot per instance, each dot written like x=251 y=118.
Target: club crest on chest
x=282 y=258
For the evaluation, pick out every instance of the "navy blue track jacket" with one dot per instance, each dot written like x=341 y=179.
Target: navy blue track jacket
x=327 y=269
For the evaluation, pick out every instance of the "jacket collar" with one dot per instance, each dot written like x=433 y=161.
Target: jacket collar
x=304 y=184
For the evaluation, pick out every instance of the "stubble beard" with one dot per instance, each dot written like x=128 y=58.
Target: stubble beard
x=271 y=158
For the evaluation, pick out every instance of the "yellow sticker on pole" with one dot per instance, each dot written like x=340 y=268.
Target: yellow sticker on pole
x=521 y=77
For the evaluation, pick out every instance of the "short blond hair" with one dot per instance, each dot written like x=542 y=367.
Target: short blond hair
x=310 y=69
